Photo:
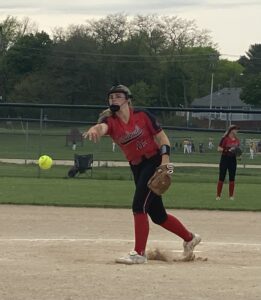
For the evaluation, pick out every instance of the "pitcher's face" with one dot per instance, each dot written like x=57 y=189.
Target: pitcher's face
x=117 y=98
x=233 y=132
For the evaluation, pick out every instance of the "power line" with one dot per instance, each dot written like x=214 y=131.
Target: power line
x=209 y=55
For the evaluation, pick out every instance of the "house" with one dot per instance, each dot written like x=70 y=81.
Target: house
x=227 y=98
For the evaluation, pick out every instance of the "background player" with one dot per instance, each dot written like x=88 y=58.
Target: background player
x=228 y=160
x=145 y=146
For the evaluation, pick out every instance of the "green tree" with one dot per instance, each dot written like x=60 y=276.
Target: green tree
x=28 y=55
x=251 y=92
x=143 y=94
x=11 y=30
x=251 y=61
x=228 y=74
x=109 y=30
x=251 y=87
x=165 y=60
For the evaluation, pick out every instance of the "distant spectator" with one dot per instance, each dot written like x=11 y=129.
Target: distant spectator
x=201 y=147
x=113 y=146
x=258 y=148
x=252 y=149
x=210 y=144
x=193 y=147
x=186 y=146
x=189 y=146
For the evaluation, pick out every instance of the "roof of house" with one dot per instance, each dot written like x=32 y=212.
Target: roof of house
x=227 y=97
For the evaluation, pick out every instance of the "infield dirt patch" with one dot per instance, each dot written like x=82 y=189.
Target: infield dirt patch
x=68 y=253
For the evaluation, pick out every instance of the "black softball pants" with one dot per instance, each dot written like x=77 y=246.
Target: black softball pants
x=144 y=200
x=227 y=163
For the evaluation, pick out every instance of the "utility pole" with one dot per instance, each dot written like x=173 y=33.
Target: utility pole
x=1 y=54
x=211 y=99
x=213 y=58
x=1 y=38
x=2 y=85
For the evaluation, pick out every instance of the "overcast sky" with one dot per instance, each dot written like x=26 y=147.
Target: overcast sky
x=234 y=24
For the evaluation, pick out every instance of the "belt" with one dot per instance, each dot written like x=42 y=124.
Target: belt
x=139 y=160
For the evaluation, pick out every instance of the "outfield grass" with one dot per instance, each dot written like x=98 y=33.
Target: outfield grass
x=193 y=188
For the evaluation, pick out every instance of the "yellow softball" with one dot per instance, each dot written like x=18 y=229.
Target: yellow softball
x=45 y=162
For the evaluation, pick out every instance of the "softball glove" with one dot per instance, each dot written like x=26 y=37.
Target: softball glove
x=161 y=179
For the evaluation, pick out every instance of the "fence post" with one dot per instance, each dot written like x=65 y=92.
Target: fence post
x=40 y=136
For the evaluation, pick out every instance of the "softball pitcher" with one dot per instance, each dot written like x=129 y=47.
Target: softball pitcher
x=146 y=147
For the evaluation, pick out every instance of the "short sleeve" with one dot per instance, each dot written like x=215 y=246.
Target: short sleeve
x=153 y=123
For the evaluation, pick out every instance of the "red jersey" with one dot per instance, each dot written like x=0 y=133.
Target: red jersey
x=136 y=138
x=226 y=143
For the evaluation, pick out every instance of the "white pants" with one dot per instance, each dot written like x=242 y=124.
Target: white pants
x=251 y=154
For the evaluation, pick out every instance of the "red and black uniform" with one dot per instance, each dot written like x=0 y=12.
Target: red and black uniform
x=136 y=139
x=228 y=162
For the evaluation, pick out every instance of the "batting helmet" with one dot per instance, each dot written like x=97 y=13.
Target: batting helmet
x=120 y=89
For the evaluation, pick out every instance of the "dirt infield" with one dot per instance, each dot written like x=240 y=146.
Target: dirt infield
x=68 y=253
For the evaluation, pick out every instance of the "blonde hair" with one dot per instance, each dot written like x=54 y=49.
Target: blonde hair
x=104 y=114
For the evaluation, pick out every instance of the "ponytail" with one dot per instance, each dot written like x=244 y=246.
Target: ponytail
x=104 y=114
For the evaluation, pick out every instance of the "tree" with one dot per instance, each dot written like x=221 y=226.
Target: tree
x=143 y=94
x=251 y=61
x=166 y=60
x=228 y=74
x=251 y=88
x=109 y=30
x=11 y=29
x=28 y=53
x=251 y=92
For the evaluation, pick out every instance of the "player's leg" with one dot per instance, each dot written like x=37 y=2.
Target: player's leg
x=223 y=165
x=232 y=174
x=159 y=216
x=141 y=173
x=141 y=201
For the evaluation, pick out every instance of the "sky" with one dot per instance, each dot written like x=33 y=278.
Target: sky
x=233 y=24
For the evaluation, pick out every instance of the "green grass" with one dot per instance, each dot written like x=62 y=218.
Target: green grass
x=192 y=188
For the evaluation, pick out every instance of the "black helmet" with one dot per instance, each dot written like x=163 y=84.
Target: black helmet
x=120 y=89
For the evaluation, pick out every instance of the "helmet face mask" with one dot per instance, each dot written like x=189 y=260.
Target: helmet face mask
x=114 y=108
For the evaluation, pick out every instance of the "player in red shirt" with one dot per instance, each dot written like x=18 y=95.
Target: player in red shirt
x=228 y=160
x=145 y=146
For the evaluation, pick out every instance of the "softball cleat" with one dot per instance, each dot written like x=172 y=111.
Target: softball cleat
x=132 y=258
x=189 y=247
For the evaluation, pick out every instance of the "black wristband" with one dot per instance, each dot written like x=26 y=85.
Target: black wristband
x=165 y=149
